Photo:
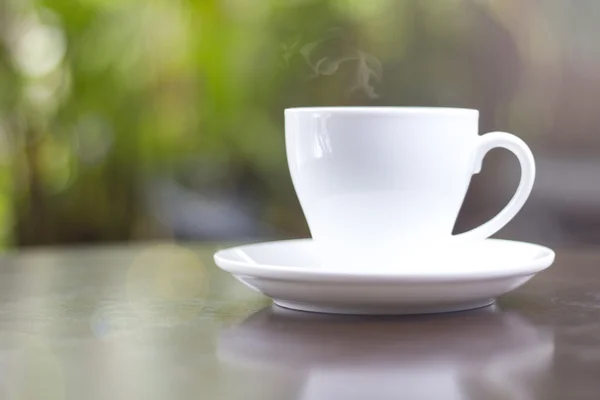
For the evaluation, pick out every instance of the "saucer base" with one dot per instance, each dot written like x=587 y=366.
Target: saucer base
x=375 y=310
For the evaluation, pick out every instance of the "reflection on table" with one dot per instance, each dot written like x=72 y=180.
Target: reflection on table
x=476 y=355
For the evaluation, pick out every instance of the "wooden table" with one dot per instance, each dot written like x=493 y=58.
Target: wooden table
x=160 y=321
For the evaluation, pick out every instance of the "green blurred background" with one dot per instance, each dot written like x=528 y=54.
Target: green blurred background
x=148 y=119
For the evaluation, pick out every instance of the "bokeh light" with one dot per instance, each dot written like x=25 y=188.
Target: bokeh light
x=168 y=283
x=39 y=49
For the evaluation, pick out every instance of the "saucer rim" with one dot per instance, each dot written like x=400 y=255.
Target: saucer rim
x=543 y=259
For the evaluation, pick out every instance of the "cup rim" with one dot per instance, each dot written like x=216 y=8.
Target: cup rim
x=417 y=110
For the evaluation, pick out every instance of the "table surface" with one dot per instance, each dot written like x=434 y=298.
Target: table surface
x=160 y=321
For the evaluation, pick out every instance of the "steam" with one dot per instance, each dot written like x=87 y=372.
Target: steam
x=367 y=67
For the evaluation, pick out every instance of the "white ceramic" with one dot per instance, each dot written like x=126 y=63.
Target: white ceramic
x=438 y=280
x=378 y=181
x=474 y=355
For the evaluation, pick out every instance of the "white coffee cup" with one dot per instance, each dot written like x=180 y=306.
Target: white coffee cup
x=375 y=183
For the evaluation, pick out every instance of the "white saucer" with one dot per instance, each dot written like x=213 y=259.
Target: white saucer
x=436 y=281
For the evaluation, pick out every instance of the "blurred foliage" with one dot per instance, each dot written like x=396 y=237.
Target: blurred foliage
x=99 y=99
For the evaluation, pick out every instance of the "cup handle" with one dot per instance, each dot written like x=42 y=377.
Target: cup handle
x=525 y=157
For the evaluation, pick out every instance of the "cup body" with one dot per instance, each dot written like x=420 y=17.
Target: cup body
x=374 y=182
